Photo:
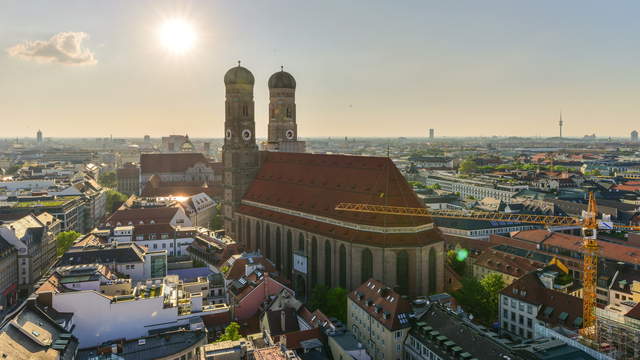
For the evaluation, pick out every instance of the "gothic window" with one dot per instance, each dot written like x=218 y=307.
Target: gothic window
x=343 y=267
x=402 y=272
x=258 y=237
x=245 y=110
x=273 y=113
x=239 y=232
x=432 y=271
x=366 y=270
x=278 y=249
x=289 y=253
x=314 y=262
x=268 y=242
x=248 y=234
x=301 y=242
x=328 y=269
x=288 y=112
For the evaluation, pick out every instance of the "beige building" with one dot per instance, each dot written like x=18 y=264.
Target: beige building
x=379 y=318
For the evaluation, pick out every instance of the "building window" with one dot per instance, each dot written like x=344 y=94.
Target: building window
x=268 y=241
x=432 y=271
x=301 y=242
x=328 y=268
x=314 y=262
x=402 y=272
x=366 y=270
x=278 y=249
x=343 y=266
x=289 y=253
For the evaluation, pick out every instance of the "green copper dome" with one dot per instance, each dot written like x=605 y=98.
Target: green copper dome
x=238 y=76
x=282 y=80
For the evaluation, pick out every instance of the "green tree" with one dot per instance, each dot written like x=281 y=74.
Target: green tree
x=231 y=332
x=216 y=221
x=492 y=285
x=459 y=266
x=332 y=302
x=108 y=179
x=480 y=297
x=337 y=304
x=64 y=240
x=468 y=167
x=115 y=200
x=318 y=297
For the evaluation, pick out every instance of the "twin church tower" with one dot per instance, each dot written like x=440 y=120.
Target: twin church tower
x=240 y=153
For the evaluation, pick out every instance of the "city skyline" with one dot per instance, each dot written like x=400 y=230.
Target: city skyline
x=501 y=63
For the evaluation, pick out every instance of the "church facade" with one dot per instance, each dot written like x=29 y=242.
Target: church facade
x=281 y=203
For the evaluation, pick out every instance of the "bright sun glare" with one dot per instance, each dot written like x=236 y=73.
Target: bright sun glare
x=178 y=36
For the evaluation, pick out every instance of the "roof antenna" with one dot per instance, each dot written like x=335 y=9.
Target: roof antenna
x=238 y=63
x=281 y=67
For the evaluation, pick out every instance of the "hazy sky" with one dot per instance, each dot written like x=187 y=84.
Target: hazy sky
x=363 y=68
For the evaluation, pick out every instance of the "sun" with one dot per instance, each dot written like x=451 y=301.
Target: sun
x=178 y=36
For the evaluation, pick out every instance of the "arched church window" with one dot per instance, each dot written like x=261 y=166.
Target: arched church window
x=328 y=268
x=288 y=112
x=248 y=235
x=402 y=272
x=432 y=271
x=258 y=237
x=366 y=270
x=343 y=267
x=245 y=110
x=301 y=242
x=267 y=231
x=278 y=249
x=314 y=262
x=289 y=253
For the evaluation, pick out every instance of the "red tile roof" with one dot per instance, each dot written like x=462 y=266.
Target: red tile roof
x=146 y=215
x=377 y=299
x=168 y=163
x=506 y=263
x=316 y=183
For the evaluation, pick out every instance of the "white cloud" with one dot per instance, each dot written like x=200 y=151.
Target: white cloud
x=63 y=48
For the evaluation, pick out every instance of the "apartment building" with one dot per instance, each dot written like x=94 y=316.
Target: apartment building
x=379 y=318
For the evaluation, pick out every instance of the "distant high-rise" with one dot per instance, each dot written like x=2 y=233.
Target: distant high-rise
x=634 y=136
x=560 y=123
x=39 y=137
x=147 y=139
x=431 y=133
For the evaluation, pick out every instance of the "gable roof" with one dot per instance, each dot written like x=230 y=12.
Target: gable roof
x=159 y=215
x=316 y=183
x=302 y=191
x=168 y=163
x=383 y=304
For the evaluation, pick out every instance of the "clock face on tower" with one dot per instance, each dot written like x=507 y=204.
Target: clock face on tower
x=289 y=134
x=228 y=134
x=246 y=134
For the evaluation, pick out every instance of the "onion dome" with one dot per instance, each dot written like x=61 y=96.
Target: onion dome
x=238 y=76
x=282 y=80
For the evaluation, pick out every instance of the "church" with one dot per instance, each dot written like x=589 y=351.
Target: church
x=280 y=201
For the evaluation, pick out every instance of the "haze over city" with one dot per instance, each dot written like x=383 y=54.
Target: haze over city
x=378 y=68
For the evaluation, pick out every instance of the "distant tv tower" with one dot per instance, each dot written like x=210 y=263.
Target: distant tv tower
x=560 y=124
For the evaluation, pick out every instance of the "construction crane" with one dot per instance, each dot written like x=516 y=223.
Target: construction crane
x=589 y=224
